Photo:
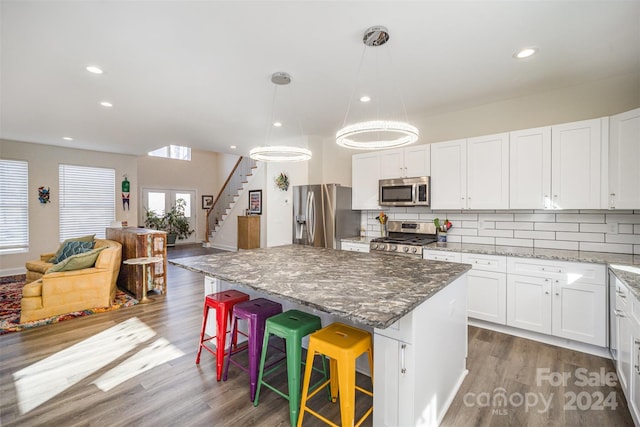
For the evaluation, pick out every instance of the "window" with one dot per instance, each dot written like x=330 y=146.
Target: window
x=172 y=152
x=87 y=200
x=14 y=206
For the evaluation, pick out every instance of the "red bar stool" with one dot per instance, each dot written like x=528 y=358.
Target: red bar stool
x=222 y=303
x=255 y=313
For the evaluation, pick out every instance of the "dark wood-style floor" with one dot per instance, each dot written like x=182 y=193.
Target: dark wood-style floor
x=181 y=393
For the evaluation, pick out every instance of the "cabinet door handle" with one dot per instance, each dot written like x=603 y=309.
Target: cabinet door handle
x=403 y=366
x=546 y=292
x=618 y=313
x=621 y=295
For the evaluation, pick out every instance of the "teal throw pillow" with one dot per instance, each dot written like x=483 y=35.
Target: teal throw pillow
x=87 y=238
x=77 y=262
x=72 y=248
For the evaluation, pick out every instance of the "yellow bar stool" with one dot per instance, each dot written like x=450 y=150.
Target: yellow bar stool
x=343 y=344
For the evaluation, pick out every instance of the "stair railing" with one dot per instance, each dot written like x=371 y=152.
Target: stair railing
x=239 y=175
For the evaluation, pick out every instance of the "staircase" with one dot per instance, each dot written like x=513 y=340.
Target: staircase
x=236 y=183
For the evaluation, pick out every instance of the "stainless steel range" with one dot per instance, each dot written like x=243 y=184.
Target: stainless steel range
x=405 y=238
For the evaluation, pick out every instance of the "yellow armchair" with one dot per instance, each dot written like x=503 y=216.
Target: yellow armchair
x=67 y=291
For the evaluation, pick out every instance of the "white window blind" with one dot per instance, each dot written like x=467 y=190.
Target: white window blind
x=14 y=206
x=87 y=200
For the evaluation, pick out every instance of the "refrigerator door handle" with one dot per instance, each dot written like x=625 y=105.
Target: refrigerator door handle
x=311 y=217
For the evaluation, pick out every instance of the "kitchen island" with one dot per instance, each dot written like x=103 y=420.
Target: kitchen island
x=416 y=307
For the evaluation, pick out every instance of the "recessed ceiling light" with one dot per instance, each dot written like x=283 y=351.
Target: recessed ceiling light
x=95 y=70
x=365 y=98
x=525 y=53
x=277 y=124
x=106 y=104
x=233 y=147
x=67 y=138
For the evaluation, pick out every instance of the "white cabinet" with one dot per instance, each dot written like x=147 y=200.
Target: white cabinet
x=488 y=172
x=354 y=246
x=627 y=318
x=365 y=173
x=410 y=371
x=575 y=164
x=406 y=162
x=563 y=299
x=449 y=175
x=529 y=303
x=471 y=173
x=624 y=334
x=624 y=158
x=557 y=167
x=530 y=168
x=441 y=256
x=487 y=287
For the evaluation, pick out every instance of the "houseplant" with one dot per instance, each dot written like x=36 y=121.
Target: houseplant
x=174 y=222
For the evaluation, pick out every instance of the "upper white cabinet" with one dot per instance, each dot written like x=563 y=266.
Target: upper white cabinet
x=557 y=167
x=624 y=158
x=530 y=168
x=575 y=164
x=471 y=173
x=449 y=175
x=488 y=172
x=365 y=173
x=405 y=162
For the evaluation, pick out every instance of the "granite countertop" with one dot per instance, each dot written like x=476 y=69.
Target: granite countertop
x=361 y=287
x=626 y=267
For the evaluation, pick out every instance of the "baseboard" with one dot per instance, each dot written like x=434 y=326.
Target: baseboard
x=547 y=339
x=224 y=247
x=12 y=271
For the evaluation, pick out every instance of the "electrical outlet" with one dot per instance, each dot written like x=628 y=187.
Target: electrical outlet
x=612 y=228
x=482 y=224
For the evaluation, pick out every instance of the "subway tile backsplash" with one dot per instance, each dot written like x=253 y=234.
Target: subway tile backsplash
x=589 y=230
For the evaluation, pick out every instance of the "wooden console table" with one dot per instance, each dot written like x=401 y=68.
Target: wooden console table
x=141 y=243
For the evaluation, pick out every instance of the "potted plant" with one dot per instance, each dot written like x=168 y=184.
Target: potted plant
x=173 y=222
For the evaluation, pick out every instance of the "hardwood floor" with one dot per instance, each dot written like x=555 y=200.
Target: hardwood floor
x=179 y=392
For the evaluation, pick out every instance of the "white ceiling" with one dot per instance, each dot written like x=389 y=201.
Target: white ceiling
x=197 y=73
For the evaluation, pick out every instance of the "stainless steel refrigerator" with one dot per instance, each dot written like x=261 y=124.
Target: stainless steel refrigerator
x=322 y=215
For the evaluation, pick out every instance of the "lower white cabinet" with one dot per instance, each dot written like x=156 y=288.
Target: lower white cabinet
x=564 y=299
x=487 y=296
x=354 y=246
x=416 y=378
x=627 y=309
x=529 y=303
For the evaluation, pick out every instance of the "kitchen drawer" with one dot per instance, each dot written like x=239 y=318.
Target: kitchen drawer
x=442 y=256
x=569 y=271
x=486 y=262
x=354 y=247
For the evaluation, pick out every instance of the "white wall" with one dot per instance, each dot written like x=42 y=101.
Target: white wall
x=204 y=174
x=43 y=171
x=279 y=212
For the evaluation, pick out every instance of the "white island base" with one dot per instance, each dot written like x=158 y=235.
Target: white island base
x=419 y=361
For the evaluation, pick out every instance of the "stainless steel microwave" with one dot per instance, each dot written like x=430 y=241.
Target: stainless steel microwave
x=405 y=191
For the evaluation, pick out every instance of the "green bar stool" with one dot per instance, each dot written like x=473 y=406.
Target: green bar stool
x=292 y=326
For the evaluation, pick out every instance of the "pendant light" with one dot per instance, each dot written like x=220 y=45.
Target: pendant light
x=279 y=153
x=379 y=133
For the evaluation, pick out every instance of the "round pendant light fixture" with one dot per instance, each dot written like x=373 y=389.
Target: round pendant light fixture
x=279 y=153
x=376 y=134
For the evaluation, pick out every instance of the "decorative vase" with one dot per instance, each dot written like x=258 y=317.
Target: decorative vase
x=442 y=237
x=383 y=230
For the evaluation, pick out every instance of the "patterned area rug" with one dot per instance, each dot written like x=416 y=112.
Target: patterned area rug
x=11 y=294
